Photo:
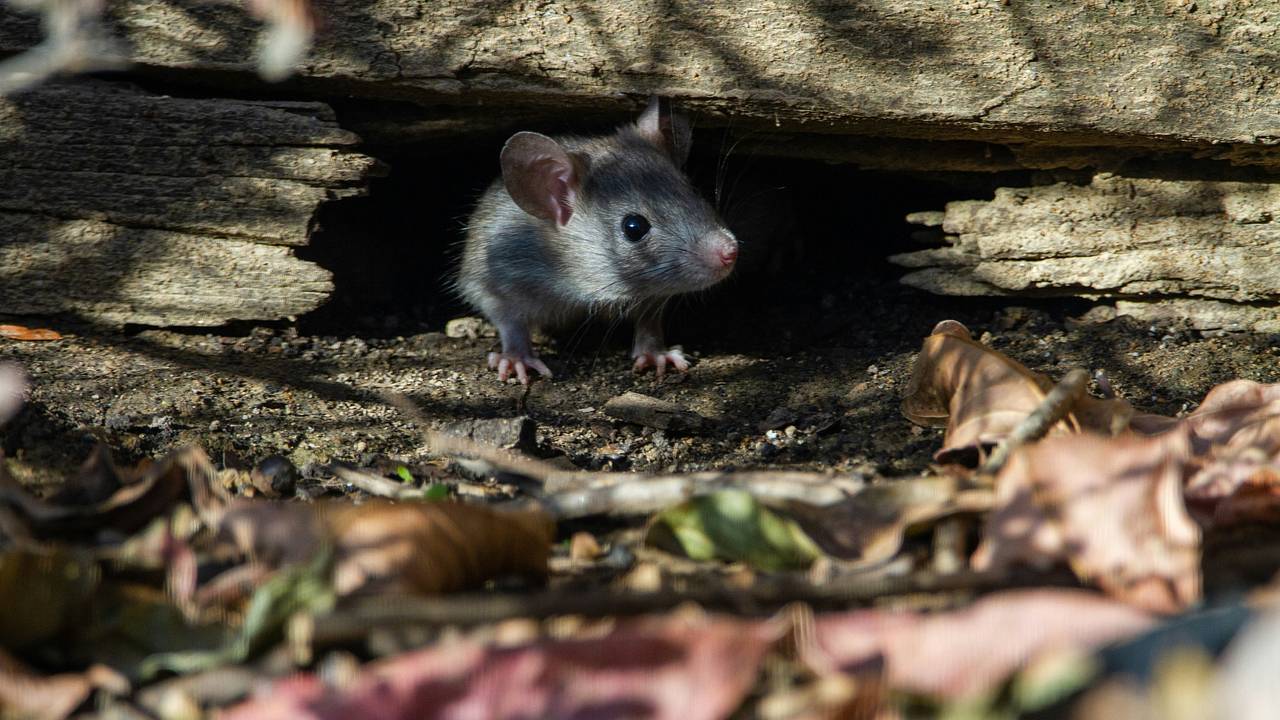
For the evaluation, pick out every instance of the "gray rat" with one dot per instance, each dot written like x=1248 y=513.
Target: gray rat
x=592 y=226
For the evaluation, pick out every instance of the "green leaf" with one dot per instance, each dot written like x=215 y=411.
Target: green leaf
x=403 y=473
x=435 y=491
x=294 y=589
x=733 y=525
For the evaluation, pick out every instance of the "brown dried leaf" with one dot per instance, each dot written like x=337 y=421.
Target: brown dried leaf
x=670 y=668
x=432 y=548
x=870 y=526
x=981 y=395
x=425 y=548
x=184 y=475
x=1235 y=434
x=1111 y=507
x=969 y=652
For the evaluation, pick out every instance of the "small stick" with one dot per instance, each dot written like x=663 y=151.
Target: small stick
x=1055 y=406
x=949 y=551
x=578 y=493
x=376 y=484
x=354 y=624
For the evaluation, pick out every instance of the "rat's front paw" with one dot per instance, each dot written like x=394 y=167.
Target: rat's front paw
x=506 y=362
x=659 y=360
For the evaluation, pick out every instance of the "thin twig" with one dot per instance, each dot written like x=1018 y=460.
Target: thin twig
x=355 y=623
x=376 y=484
x=578 y=493
x=1055 y=406
x=949 y=544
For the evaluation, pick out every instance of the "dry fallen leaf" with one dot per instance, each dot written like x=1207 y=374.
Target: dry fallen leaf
x=981 y=395
x=425 y=548
x=106 y=502
x=26 y=694
x=431 y=548
x=1235 y=435
x=967 y=653
x=870 y=526
x=1111 y=507
x=18 y=332
x=671 y=668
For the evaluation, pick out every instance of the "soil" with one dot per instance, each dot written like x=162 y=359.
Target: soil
x=787 y=386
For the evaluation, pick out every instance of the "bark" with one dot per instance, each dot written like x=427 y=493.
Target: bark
x=122 y=206
x=1209 y=249
x=1111 y=73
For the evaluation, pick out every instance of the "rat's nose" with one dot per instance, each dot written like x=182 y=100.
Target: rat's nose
x=724 y=248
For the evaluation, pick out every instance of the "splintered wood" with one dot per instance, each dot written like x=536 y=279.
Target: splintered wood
x=122 y=206
x=1204 y=250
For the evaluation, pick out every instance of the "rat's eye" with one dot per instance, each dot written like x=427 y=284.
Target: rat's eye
x=635 y=227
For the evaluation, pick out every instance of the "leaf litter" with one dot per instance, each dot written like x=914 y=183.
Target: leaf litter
x=125 y=580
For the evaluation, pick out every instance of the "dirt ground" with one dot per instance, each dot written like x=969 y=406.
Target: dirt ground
x=809 y=378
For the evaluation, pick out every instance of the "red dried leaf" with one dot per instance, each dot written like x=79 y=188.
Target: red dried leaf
x=669 y=668
x=970 y=652
x=1112 y=507
x=18 y=332
x=1236 y=436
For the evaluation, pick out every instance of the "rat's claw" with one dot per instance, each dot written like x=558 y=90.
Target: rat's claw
x=506 y=362
x=659 y=361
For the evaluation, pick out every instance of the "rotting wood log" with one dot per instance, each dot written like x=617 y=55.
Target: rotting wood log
x=122 y=206
x=1098 y=72
x=1208 y=251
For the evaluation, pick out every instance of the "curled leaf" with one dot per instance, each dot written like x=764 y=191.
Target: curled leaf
x=435 y=547
x=103 y=501
x=1111 y=507
x=423 y=548
x=980 y=395
x=871 y=524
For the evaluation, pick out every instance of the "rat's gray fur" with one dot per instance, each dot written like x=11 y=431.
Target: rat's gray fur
x=521 y=271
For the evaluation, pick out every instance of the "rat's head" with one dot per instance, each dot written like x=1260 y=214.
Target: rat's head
x=620 y=207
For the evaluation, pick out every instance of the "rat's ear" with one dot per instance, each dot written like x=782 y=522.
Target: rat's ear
x=667 y=128
x=540 y=176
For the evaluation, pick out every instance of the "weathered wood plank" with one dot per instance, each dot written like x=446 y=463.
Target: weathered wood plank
x=256 y=171
x=1212 y=247
x=1100 y=71
x=124 y=206
x=118 y=274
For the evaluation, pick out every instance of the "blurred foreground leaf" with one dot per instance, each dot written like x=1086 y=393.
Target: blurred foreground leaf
x=733 y=525
x=294 y=589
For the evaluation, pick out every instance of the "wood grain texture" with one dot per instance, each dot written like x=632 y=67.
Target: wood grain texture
x=1096 y=71
x=123 y=206
x=1209 y=248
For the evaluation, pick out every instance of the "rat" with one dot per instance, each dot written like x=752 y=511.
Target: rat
x=592 y=226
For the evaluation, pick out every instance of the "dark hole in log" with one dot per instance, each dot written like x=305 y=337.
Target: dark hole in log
x=815 y=234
